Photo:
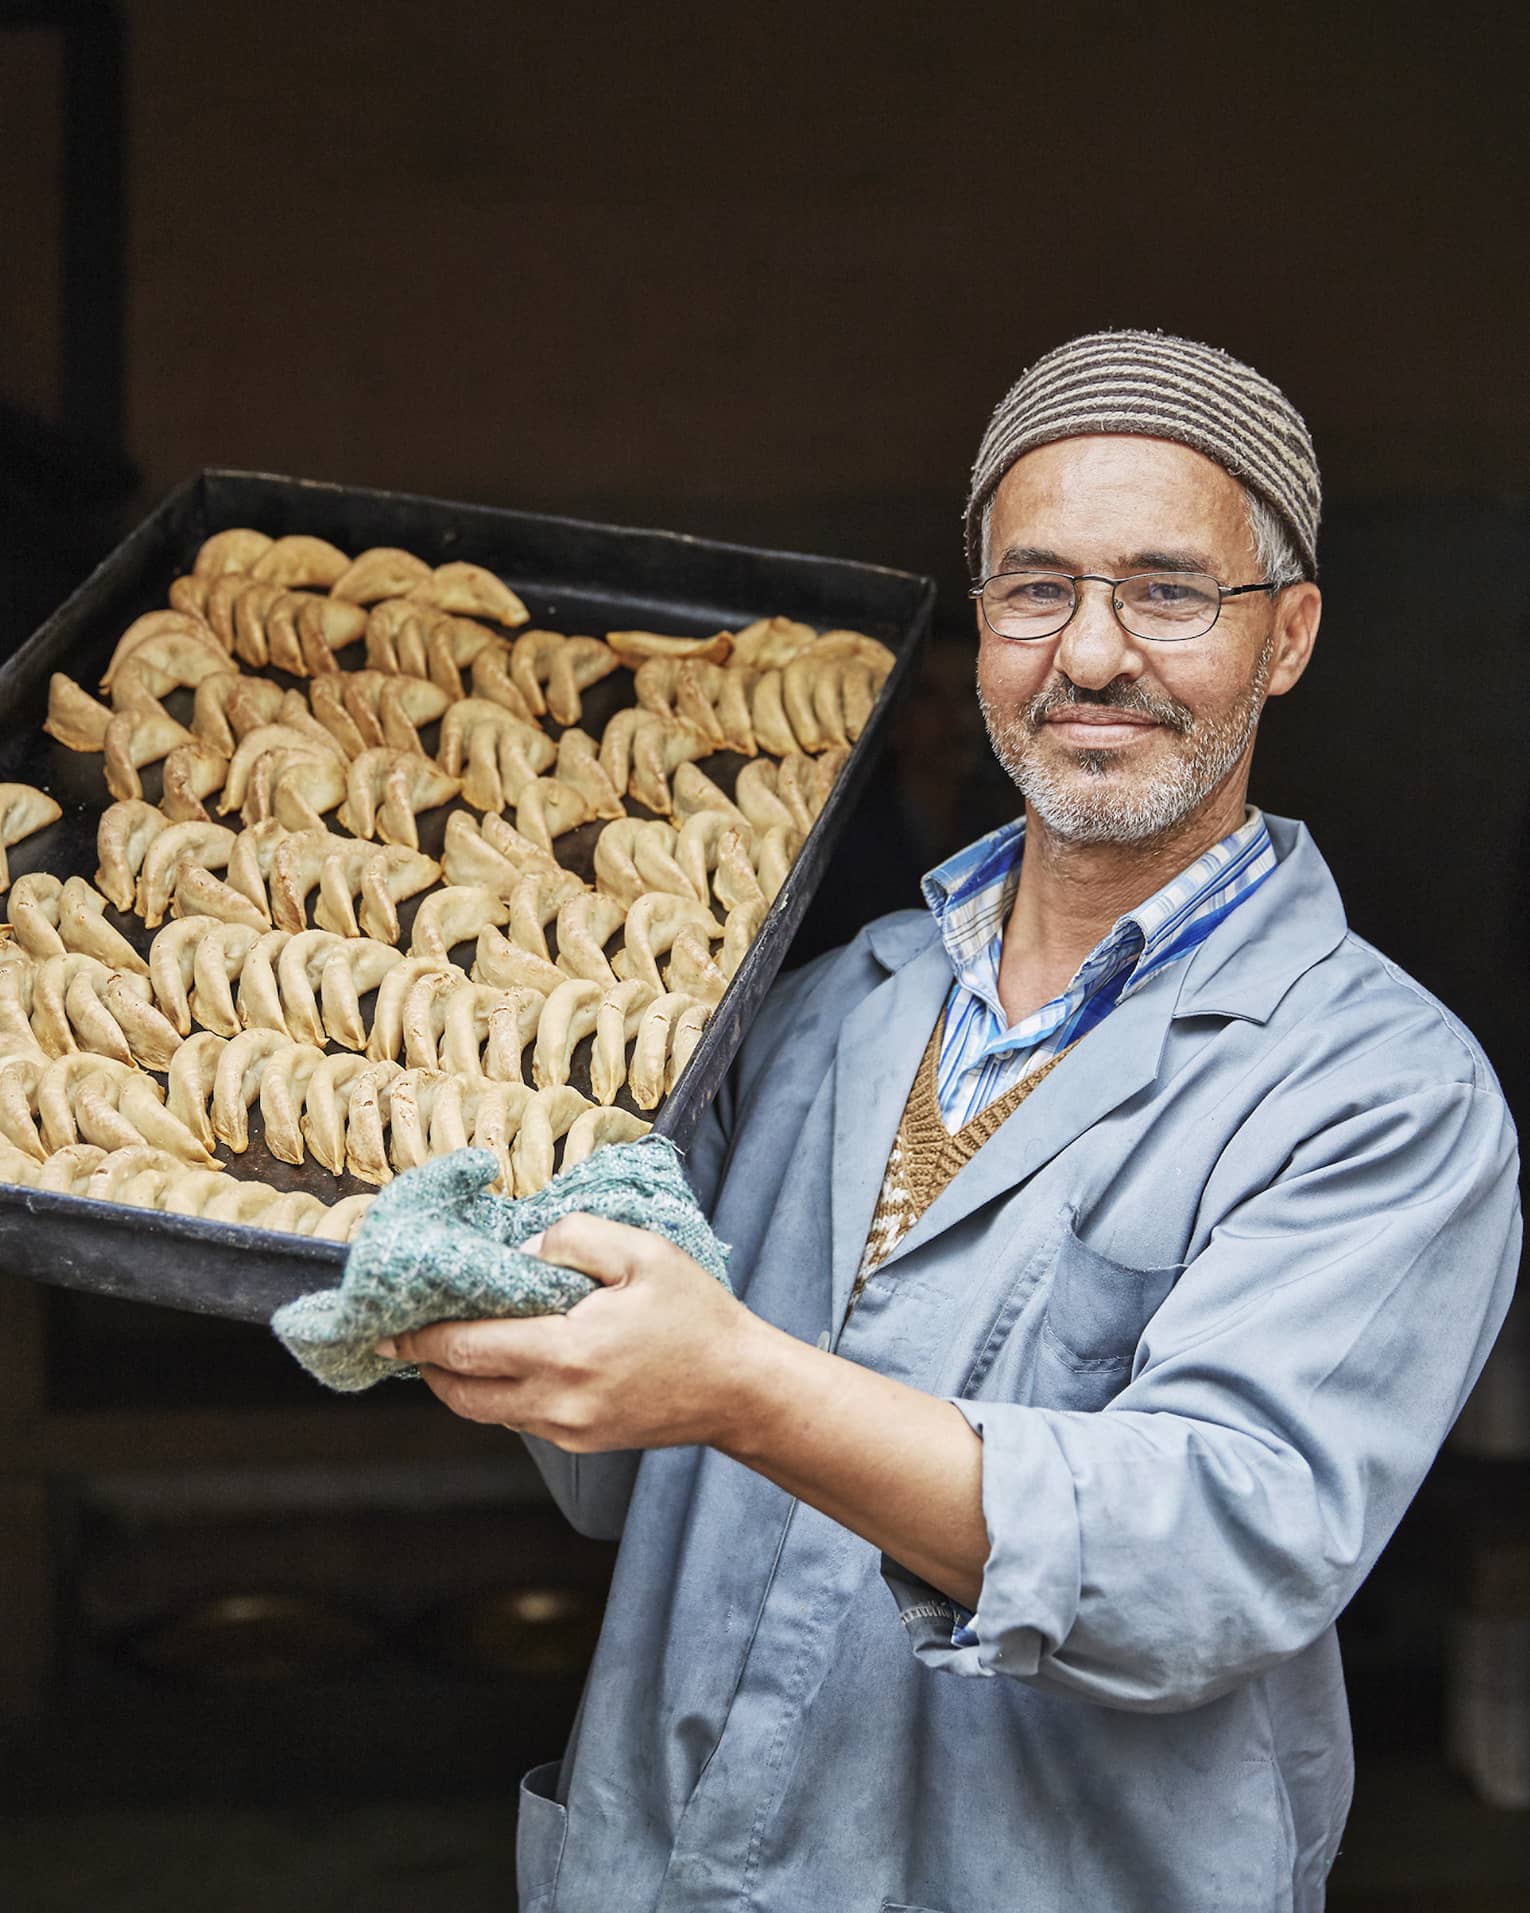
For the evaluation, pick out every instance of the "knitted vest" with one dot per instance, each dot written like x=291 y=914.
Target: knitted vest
x=925 y=1154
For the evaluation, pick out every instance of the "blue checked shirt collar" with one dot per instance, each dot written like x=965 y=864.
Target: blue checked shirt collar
x=971 y=895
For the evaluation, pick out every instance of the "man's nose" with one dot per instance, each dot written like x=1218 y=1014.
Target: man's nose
x=1093 y=648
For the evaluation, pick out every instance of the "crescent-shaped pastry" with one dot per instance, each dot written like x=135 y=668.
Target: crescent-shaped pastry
x=586 y=924
x=468 y=858
x=756 y=796
x=579 y=663
x=827 y=767
x=641 y=854
x=530 y=663
x=136 y=1176
x=616 y=1023
x=301 y=560
x=33 y=913
x=653 y=923
x=354 y=967
x=545 y=808
x=772 y=728
x=477 y=1012
x=692 y=970
x=567 y=1018
x=632 y=647
x=858 y=689
x=733 y=711
x=260 y=999
x=384 y=789
x=597 y=1127
x=172 y=955
x=53 y=1027
x=325 y=626
x=827 y=686
x=686 y=690
x=56 y=1092
x=578 y=765
x=236 y=1082
x=423 y=1017
x=199 y=893
x=93 y=1108
x=327 y=698
x=341 y=1220
x=366 y=1123
x=700 y=845
x=298 y=862
x=151 y=1038
x=497 y=1109
x=797 y=697
x=18 y=1040
x=239 y=549
x=529 y=858
x=449 y=644
x=136 y=1100
x=383 y=875
x=855 y=644
x=209 y=846
x=152 y=626
x=650 y=1050
x=472 y=590
x=685 y=1034
x=210 y=722
x=189 y=594
x=252 y=608
x=393 y=993
x=492 y=680
x=770 y=643
x=797 y=788
x=192 y=1070
x=740 y=930
x=382 y=572
x=547 y=1116
x=217 y=960
x=192 y=771
x=455 y=915
x=396 y=631
x=534 y=902
x=694 y=791
x=19 y=1077
x=300 y=969
x=508 y=966
x=135 y=738
x=223 y=593
x=658 y=748
x=495 y=753
x=283 y=1086
x=74 y=717
x=735 y=880
x=297 y=788
x=323 y=1119
x=163 y=662
x=285 y=648
x=265 y=738
x=413 y=1097
x=68 y=1171
x=774 y=852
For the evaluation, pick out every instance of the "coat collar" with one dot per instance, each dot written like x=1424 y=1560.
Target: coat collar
x=1243 y=969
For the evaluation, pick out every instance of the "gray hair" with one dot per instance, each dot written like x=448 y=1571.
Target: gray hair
x=1275 y=550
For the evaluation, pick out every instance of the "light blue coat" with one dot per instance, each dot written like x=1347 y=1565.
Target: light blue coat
x=1212 y=1298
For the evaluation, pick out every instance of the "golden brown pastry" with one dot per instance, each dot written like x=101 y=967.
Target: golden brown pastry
x=301 y=560
x=237 y=550
x=382 y=572
x=632 y=647
x=24 y=810
x=473 y=590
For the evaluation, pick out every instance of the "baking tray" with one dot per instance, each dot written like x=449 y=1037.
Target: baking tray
x=573 y=576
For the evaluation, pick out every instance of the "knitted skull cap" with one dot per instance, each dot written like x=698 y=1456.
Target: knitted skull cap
x=1156 y=386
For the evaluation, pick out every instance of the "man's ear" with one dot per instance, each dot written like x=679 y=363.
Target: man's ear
x=1298 y=612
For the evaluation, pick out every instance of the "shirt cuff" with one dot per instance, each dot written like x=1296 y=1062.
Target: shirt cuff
x=1032 y=1577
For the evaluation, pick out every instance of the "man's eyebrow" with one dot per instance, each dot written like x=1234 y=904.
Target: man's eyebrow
x=1030 y=558
x=1167 y=561
x=1042 y=558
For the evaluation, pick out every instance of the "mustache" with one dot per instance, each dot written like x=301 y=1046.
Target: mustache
x=1118 y=695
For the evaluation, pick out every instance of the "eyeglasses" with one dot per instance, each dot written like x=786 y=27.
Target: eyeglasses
x=1164 y=607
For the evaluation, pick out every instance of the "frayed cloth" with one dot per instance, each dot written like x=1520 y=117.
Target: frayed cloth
x=436 y=1246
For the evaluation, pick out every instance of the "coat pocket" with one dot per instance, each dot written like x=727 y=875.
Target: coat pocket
x=539 y=1834
x=1096 y=1312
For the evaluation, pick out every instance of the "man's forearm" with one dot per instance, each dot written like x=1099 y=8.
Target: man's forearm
x=898 y=1467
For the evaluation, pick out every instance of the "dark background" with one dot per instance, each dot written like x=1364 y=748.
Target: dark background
x=761 y=276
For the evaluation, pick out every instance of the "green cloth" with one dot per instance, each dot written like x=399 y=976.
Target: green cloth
x=436 y=1246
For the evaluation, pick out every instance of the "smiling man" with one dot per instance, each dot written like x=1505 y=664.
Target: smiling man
x=1115 y=1239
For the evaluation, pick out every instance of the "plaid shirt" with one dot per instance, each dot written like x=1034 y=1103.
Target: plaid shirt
x=971 y=895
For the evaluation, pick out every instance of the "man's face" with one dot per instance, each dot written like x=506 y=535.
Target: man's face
x=1112 y=739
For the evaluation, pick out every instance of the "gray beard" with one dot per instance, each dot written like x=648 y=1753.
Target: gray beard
x=1094 y=807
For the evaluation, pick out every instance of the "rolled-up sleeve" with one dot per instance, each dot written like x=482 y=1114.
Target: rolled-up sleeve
x=1285 y=1403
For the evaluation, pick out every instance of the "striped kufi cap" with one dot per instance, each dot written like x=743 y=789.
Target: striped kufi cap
x=1157 y=386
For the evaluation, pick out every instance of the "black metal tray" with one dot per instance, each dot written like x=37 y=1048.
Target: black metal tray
x=573 y=576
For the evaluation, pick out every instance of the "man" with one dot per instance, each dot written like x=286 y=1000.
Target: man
x=1116 y=1242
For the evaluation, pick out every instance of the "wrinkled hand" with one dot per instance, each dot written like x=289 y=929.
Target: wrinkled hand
x=650 y=1360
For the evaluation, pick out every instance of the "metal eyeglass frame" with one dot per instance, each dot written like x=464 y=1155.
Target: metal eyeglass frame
x=1094 y=577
